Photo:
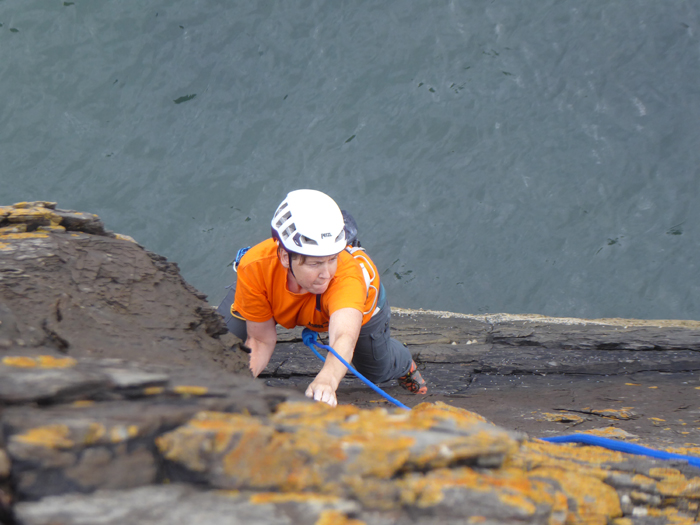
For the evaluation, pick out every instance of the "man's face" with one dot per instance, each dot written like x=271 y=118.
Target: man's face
x=315 y=273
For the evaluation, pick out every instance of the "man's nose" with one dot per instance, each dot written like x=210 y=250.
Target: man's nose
x=325 y=271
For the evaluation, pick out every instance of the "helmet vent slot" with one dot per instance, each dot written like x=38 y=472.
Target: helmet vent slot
x=306 y=240
x=284 y=218
x=340 y=236
x=288 y=232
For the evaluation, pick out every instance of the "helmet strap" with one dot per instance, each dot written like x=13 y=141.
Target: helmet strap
x=289 y=258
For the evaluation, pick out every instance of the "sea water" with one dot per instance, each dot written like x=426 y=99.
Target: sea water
x=520 y=156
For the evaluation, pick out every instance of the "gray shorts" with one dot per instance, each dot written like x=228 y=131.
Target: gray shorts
x=378 y=356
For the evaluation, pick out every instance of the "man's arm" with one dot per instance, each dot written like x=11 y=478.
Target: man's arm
x=262 y=338
x=343 y=330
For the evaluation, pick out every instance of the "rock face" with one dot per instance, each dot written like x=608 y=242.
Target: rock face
x=68 y=284
x=122 y=400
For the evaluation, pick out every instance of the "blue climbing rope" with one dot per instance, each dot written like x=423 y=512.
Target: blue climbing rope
x=621 y=446
x=311 y=339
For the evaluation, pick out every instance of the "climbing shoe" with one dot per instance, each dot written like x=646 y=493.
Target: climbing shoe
x=413 y=381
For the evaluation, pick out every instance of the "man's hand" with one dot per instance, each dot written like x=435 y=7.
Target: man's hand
x=343 y=330
x=322 y=391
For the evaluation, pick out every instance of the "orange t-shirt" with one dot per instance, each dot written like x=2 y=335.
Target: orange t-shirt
x=262 y=293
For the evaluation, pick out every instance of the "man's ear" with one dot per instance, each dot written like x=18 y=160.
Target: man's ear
x=283 y=257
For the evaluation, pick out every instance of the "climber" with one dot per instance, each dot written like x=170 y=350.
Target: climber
x=313 y=273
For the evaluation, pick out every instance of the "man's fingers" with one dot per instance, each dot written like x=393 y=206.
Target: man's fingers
x=322 y=393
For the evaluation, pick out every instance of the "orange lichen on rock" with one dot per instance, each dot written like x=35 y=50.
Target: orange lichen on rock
x=42 y=361
x=23 y=236
x=563 y=417
x=48 y=436
x=15 y=228
x=187 y=390
x=77 y=434
x=586 y=460
x=690 y=449
x=336 y=517
x=595 y=501
x=624 y=413
x=34 y=214
x=672 y=516
x=679 y=486
x=264 y=498
x=310 y=446
x=611 y=432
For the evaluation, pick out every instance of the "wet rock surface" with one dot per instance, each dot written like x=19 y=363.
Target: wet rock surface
x=123 y=400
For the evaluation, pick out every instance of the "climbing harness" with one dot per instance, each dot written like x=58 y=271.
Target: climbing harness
x=238 y=258
x=311 y=339
x=621 y=446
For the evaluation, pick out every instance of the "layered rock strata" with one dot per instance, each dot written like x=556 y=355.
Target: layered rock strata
x=122 y=400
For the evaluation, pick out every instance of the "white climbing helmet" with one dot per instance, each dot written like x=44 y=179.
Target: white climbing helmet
x=309 y=222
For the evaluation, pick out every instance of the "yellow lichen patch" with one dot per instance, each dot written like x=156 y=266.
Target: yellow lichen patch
x=153 y=390
x=690 y=449
x=596 y=502
x=19 y=361
x=307 y=446
x=48 y=361
x=624 y=413
x=663 y=472
x=511 y=487
x=336 y=517
x=24 y=236
x=34 y=214
x=264 y=498
x=564 y=417
x=680 y=486
x=264 y=458
x=586 y=460
x=34 y=204
x=206 y=433
x=187 y=390
x=673 y=516
x=610 y=432
x=657 y=419
x=49 y=436
x=442 y=410
x=53 y=228
x=42 y=361
x=15 y=228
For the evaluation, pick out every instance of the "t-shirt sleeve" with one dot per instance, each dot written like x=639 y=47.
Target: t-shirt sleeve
x=349 y=291
x=251 y=296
